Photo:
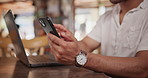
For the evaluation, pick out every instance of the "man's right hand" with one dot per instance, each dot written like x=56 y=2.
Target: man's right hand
x=66 y=48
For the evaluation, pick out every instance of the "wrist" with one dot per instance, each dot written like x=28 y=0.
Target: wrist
x=89 y=58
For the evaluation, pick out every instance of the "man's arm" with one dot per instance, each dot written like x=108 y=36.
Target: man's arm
x=88 y=44
x=129 y=67
x=66 y=49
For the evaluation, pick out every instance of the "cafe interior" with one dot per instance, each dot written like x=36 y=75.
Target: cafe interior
x=78 y=16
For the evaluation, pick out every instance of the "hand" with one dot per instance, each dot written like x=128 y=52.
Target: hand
x=66 y=48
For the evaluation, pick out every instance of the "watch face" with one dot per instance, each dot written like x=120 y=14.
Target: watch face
x=81 y=59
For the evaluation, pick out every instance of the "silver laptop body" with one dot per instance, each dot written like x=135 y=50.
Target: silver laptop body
x=30 y=61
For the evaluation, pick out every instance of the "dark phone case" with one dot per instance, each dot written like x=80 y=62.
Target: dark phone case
x=48 y=26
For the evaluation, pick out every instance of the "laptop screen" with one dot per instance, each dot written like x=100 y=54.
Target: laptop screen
x=15 y=38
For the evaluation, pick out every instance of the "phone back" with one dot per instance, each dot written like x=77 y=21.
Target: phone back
x=48 y=26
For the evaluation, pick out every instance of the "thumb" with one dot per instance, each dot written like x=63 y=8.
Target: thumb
x=67 y=36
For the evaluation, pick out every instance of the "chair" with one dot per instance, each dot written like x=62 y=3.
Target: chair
x=36 y=45
x=6 y=47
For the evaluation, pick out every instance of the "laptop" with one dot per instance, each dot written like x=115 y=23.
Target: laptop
x=30 y=61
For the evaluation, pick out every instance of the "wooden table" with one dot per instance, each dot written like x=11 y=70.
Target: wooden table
x=13 y=68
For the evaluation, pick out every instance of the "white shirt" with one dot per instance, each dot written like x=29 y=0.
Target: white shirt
x=123 y=40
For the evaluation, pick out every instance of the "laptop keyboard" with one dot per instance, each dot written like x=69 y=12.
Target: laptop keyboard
x=37 y=61
x=40 y=59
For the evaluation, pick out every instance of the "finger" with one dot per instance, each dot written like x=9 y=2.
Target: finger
x=60 y=27
x=53 y=47
x=64 y=32
x=67 y=36
x=49 y=43
x=54 y=52
x=58 y=53
x=55 y=39
x=58 y=49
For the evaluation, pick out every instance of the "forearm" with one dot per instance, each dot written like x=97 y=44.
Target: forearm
x=83 y=46
x=117 y=66
x=88 y=44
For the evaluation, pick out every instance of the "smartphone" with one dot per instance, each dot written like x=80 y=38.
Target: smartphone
x=48 y=26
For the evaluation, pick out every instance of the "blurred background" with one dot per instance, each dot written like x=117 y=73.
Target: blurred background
x=79 y=16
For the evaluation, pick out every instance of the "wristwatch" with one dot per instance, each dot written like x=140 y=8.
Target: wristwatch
x=81 y=59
